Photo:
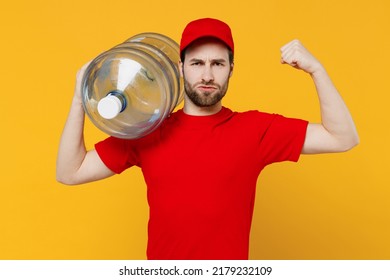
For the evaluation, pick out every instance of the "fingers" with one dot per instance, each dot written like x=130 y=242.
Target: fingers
x=79 y=78
x=296 y=55
x=81 y=71
x=289 y=45
x=291 y=52
x=289 y=57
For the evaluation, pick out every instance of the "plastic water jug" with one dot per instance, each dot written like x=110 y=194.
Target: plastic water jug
x=130 y=89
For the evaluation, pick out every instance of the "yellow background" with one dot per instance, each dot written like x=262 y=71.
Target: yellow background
x=325 y=207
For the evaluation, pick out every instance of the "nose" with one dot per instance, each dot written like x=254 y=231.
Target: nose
x=207 y=75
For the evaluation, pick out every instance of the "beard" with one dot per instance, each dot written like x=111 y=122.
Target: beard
x=205 y=99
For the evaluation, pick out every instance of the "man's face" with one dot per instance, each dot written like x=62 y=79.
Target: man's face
x=206 y=71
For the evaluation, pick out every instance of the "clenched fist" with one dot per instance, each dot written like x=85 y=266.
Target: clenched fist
x=296 y=55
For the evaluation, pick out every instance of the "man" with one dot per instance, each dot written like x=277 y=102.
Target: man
x=201 y=165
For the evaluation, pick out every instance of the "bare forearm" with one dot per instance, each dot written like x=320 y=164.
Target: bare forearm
x=72 y=149
x=335 y=115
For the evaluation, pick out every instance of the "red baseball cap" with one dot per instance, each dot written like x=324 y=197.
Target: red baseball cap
x=206 y=27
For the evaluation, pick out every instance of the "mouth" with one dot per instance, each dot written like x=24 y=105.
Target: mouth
x=207 y=88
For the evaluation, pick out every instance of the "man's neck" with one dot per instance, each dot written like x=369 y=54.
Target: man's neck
x=193 y=110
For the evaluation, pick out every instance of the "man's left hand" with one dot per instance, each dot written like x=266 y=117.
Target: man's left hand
x=296 y=55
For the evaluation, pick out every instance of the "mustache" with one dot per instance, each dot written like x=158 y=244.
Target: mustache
x=211 y=83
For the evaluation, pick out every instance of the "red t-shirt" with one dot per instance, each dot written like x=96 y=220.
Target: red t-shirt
x=201 y=175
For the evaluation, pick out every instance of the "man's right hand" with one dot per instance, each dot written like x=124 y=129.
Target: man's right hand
x=79 y=78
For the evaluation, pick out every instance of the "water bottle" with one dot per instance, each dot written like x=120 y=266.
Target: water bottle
x=129 y=90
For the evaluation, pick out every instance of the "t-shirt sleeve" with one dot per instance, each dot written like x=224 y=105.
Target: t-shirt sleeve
x=117 y=154
x=283 y=139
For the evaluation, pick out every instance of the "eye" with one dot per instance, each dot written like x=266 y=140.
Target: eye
x=196 y=62
x=219 y=64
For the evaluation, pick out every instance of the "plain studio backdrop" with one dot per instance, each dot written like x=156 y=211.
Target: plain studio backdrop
x=325 y=207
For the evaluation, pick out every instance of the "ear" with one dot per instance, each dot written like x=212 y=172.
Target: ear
x=231 y=69
x=180 y=65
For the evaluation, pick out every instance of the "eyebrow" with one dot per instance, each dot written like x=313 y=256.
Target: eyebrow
x=218 y=60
